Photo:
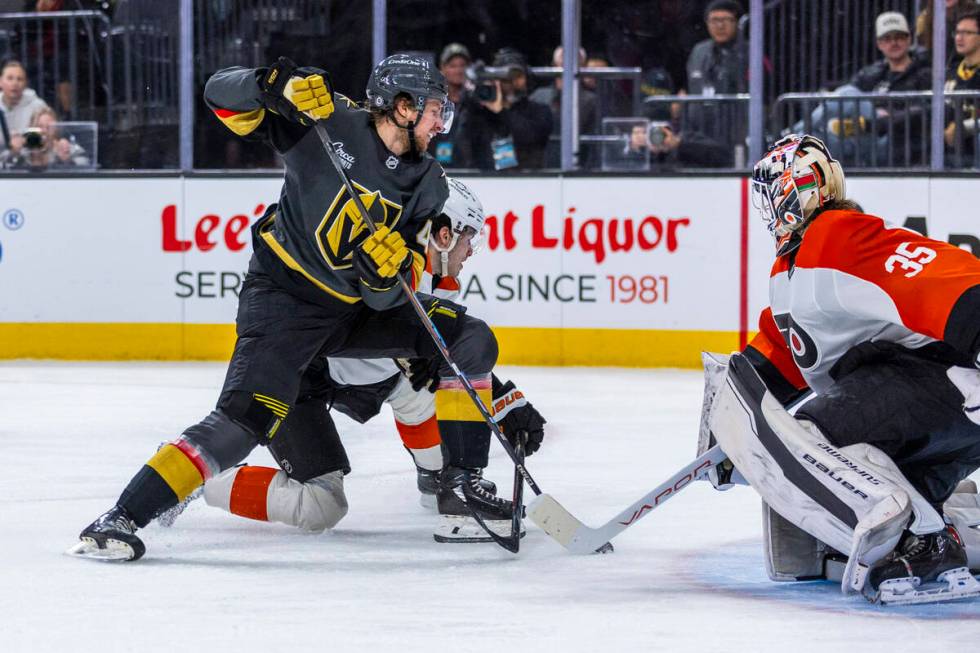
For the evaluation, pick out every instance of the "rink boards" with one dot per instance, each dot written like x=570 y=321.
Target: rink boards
x=575 y=270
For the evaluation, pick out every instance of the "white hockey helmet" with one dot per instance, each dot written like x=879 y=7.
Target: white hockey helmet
x=464 y=213
x=794 y=179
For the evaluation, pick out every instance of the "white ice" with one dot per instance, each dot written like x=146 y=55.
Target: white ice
x=687 y=577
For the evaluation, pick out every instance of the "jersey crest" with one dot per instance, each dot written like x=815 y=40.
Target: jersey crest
x=341 y=229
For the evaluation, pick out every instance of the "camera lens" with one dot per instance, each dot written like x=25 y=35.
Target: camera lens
x=486 y=92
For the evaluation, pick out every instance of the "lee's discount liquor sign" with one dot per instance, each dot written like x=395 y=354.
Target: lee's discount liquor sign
x=647 y=254
x=558 y=253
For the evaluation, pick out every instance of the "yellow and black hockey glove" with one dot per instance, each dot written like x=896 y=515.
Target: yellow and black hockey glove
x=302 y=95
x=381 y=257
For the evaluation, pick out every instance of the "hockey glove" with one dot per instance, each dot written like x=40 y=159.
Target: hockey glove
x=381 y=257
x=421 y=372
x=302 y=95
x=514 y=414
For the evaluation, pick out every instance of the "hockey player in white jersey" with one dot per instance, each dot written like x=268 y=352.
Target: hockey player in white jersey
x=307 y=491
x=879 y=327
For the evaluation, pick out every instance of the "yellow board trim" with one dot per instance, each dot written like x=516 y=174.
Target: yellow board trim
x=177 y=470
x=518 y=345
x=456 y=405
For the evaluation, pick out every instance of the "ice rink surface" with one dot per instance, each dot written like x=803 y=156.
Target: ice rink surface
x=687 y=577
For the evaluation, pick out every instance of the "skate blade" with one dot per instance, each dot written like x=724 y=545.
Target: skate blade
x=951 y=585
x=464 y=530
x=114 y=551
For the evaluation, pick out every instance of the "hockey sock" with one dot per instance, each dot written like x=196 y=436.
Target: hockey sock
x=461 y=425
x=175 y=471
x=423 y=442
x=242 y=491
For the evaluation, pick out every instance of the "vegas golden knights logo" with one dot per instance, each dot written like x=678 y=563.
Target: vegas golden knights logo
x=342 y=229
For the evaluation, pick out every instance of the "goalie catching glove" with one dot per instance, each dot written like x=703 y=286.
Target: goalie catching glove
x=515 y=414
x=381 y=257
x=302 y=95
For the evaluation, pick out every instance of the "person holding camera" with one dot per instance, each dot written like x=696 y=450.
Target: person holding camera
x=675 y=147
x=18 y=103
x=41 y=147
x=504 y=130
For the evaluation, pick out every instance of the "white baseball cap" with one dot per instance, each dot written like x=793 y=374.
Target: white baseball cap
x=891 y=21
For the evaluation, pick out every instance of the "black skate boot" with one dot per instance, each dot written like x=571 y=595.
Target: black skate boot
x=428 y=483
x=923 y=569
x=460 y=489
x=110 y=537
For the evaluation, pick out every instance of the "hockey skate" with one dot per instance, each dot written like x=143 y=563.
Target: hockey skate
x=428 y=484
x=461 y=490
x=923 y=569
x=111 y=537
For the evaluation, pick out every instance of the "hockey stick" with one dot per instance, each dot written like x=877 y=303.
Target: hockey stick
x=511 y=543
x=575 y=536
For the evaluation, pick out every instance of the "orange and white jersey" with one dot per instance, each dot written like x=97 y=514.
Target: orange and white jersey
x=356 y=371
x=856 y=278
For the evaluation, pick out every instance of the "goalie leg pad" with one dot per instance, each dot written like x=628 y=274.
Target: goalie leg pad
x=853 y=498
x=791 y=554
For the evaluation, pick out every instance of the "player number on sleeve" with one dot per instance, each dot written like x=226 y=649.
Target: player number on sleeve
x=911 y=261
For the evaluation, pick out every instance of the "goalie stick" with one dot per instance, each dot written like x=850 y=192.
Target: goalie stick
x=513 y=541
x=563 y=527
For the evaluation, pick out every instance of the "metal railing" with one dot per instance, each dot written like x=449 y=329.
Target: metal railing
x=67 y=57
x=821 y=43
x=237 y=33
x=715 y=127
x=613 y=100
x=882 y=130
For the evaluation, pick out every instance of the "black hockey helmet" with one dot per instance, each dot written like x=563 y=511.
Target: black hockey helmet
x=405 y=74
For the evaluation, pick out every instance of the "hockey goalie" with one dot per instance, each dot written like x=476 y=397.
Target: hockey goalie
x=855 y=412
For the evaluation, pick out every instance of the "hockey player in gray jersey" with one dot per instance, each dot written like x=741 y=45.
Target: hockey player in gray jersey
x=317 y=284
x=879 y=326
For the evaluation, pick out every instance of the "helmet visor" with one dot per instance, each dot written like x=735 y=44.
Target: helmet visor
x=762 y=201
x=478 y=238
x=448 y=113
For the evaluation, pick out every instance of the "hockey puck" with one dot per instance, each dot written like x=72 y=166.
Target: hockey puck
x=605 y=548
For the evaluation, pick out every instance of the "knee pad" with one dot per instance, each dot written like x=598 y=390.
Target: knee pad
x=853 y=498
x=268 y=494
x=475 y=348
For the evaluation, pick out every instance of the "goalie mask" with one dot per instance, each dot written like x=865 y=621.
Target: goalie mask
x=789 y=184
x=463 y=214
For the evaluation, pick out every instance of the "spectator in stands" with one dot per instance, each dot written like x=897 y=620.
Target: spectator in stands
x=453 y=62
x=719 y=64
x=923 y=24
x=901 y=68
x=961 y=128
x=508 y=131
x=41 y=147
x=550 y=96
x=19 y=103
